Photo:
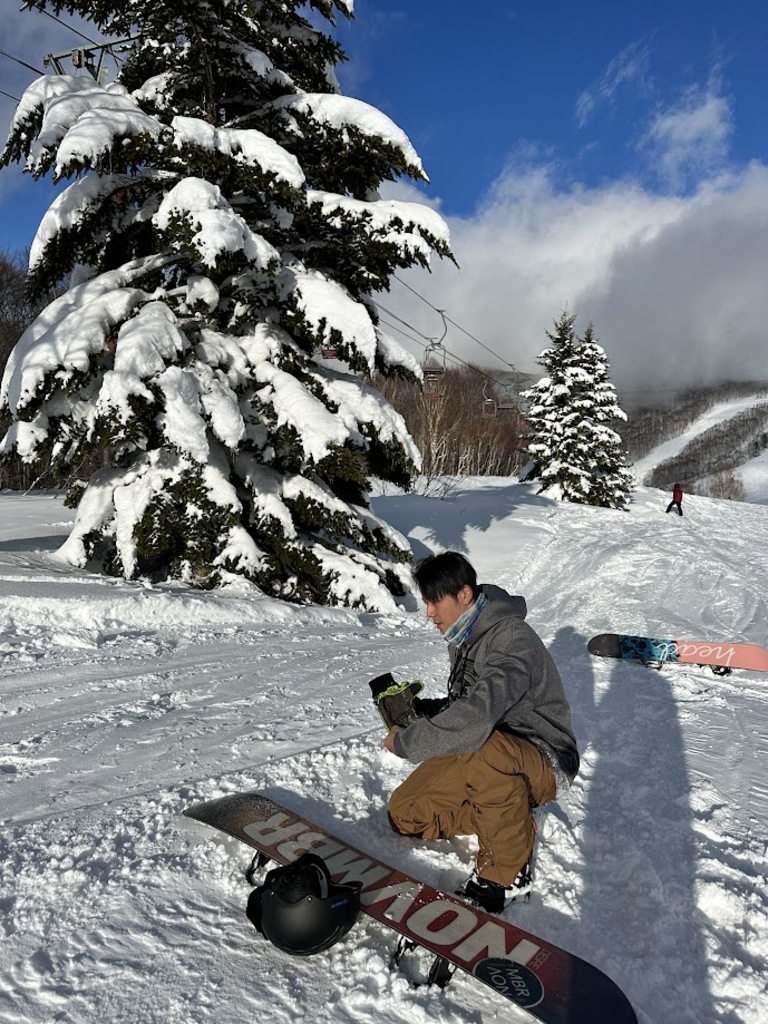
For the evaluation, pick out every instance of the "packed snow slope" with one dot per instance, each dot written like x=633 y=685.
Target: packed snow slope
x=123 y=703
x=753 y=473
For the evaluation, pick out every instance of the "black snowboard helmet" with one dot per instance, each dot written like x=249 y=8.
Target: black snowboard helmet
x=301 y=910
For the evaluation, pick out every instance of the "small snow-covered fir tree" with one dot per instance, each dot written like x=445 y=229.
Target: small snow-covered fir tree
x=574 y=451
x=222 y=235
x=612 y=484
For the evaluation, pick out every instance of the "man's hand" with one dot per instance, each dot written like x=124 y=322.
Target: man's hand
x=389 y=740
x=395 y=701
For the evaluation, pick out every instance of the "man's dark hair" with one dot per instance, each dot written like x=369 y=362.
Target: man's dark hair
x=444 y=575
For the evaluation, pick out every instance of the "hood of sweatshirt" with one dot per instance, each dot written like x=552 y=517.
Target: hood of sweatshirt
x=501 y=605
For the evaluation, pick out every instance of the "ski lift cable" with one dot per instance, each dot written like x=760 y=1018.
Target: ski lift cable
x=417 y=341
x=394 y=327
x=10 y=56
x=10 y=97
x=405 y=322
x=482 y=345
x=456 y=360
x=31 y=6
x=425 y=345
x=450 y=356
x=457 y=325
x=432 y=343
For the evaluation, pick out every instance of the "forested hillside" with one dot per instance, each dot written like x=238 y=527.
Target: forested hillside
x=706 y=463
x=650 y=426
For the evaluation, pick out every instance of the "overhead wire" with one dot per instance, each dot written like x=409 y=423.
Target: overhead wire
x=458 y=326
x=30 y=5
x=456 y=360
x=71 y=28
x=450 y=356
x=24 y=64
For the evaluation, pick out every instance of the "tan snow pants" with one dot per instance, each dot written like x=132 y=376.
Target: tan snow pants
x=488 y=793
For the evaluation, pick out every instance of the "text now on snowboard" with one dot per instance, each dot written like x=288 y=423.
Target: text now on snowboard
x=550 y=983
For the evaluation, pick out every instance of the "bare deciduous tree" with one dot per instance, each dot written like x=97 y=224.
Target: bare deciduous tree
x=465 y=429
x=723 y=485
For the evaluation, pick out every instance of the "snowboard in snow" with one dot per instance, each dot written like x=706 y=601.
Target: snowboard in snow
x=553 y=985
x=695 y=652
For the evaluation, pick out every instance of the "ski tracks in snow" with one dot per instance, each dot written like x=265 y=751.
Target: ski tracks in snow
x=669 y=815
x=122 y=707
x=187 y=707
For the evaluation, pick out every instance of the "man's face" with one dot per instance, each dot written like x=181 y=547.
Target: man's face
x=445 y=611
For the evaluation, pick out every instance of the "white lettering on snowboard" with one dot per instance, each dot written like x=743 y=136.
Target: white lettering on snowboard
x=460 y=931
x=403 y=893
x=714 y=652
x=489 y=939
x=460 y=921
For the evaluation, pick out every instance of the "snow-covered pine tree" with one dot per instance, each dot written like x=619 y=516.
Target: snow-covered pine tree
x=222 y=236
x=574 y=452
x=611 y=481
x=549 y=415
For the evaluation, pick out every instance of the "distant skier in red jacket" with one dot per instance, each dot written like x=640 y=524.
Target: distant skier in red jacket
x=677 y=499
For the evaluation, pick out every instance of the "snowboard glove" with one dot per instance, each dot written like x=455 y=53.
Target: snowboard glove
x=395 y=701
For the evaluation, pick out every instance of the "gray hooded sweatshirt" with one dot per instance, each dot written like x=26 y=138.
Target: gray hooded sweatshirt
x=502 y=677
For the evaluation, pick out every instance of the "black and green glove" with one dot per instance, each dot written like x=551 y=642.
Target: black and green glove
x=395 y=701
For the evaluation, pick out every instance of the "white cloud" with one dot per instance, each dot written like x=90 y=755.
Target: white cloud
x=692 y=305
x=691 y=138
x=626 y=68
x=674 y=284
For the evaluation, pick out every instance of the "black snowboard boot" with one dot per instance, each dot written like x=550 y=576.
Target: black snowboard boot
x=495 y=897
x=488 y=895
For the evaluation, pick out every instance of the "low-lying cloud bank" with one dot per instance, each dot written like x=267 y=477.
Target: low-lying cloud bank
x=675 y=284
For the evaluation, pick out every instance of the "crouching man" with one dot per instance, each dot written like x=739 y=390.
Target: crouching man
x=501 y=742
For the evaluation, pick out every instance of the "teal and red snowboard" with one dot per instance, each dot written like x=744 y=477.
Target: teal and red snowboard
x=651 y=650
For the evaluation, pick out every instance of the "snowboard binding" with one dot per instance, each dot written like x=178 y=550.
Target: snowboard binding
x=718 y=670
x=440 y=972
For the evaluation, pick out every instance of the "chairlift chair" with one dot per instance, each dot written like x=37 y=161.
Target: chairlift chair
x=432 y=381
x=490 y=405
x=433 y=371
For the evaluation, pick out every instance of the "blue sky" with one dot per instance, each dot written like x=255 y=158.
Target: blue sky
x=609 y=158
x=606 y=157
x=589 y=87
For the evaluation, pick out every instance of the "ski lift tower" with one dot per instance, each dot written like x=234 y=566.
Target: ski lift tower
x=90 y=58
